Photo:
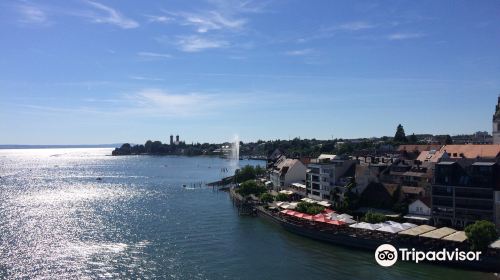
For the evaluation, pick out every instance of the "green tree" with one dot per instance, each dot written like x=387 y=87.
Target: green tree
x=250 y=187
x=400 y=136
x=374 y=218
x=244 y=174
x=413 y=139
x=147 y=146
x=448 y=140
x=282 y=197
x=309 y=208
x=259 y=170
x=156 y=147
x=266 y=198
x=481 y=234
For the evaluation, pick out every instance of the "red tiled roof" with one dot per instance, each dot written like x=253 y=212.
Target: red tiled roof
x=418 y=148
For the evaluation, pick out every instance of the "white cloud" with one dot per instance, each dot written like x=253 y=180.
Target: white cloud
x=163 y=103
x=159 y=19
x=404 y=36
x=32 y=15
x=111 y=16
x=196 y=43
x=354 y=26
x=299 y=52
x=153 y=55
x=207 y=21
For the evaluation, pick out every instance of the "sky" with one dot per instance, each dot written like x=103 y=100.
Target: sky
x=95 y=72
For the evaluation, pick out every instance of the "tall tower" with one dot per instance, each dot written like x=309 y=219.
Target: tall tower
x=171 y=139
x=496 y=124
x=177 y=136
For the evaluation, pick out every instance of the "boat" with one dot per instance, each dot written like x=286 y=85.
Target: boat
x=371 y=240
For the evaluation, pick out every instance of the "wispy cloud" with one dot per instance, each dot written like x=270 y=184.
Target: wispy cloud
x=301 y=52
x=158 y=18
x=153 y=55
x=354 y=26
x=31 y=14
x=157 y=100
x=195 y=43
x=109 y=15
x=223 y=15
x=331 y=31
x=247 y=6
x=404 y=36
x=152 y=102
x=211 y=20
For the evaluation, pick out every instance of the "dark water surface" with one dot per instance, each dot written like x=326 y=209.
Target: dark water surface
x=58 y=222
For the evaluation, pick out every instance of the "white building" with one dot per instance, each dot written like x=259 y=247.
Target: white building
x=418 y=207
x=324 y=175
x=419 y=210
x=287 y=171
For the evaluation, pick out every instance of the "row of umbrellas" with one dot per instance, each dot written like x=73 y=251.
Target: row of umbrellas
x=389 y=226
x=323 y=217
x=331 y=217
x=346 y=218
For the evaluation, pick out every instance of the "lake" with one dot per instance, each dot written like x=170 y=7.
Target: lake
x=58 y=220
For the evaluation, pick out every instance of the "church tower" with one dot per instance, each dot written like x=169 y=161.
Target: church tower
x=496 y=124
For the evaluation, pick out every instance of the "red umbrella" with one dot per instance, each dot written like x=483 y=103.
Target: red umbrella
x=320 y=218
x=288 y=212
x=307 y=217
x=299 y=215
x=335 y=222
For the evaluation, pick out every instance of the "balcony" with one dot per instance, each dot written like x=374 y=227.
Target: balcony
x=313 y=171
x=443 y=212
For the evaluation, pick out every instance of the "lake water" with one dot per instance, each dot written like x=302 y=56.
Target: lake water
x=58 y=222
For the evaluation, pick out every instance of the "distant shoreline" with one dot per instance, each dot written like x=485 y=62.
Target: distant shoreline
x=6 y=147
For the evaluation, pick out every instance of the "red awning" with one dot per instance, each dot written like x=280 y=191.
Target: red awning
x=288 y=212
x=335 y=222
x=299 y=215
x=320 y=218
x=308 y=217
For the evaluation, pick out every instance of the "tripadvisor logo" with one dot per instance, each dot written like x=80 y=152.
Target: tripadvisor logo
x=387 y=255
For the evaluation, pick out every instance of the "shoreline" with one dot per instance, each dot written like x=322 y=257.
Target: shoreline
x=358 y=239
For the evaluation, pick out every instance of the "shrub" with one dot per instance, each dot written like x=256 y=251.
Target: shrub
x=282 y=197
x=309 y=208
x=248 y=172
x=374 y=218
x=481 y=234
x=266 y=198
x=250 y=187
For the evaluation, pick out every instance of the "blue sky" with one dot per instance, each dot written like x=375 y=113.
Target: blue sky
x=88 y=72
